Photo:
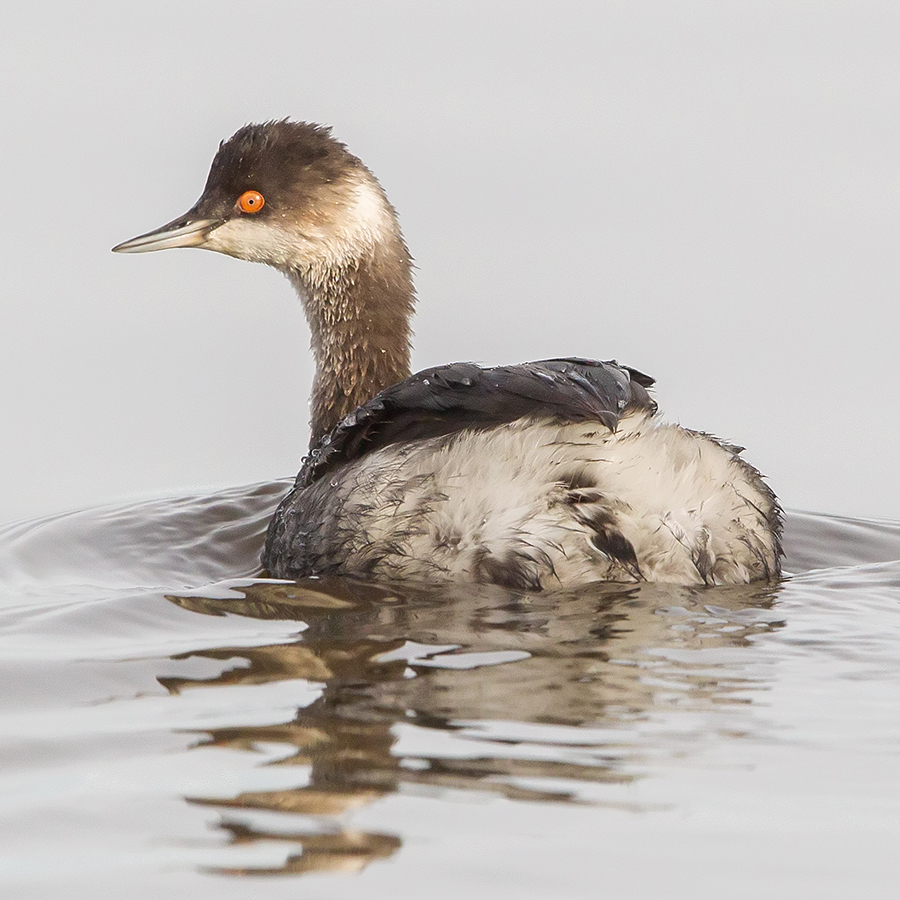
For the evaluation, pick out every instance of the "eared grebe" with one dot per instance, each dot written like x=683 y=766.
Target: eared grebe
x=528 y=476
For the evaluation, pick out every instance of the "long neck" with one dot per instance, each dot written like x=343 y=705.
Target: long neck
x=359 y=318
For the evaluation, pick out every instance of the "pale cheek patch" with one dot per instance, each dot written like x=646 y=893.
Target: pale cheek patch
x=346 y=228
x=359 y=221
x=256 y=241
x=369 y=218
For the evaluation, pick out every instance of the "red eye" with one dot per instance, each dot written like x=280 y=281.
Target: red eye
x=251 y=202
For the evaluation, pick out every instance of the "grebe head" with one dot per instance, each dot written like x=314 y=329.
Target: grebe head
x=283 y=193
x=288 y=194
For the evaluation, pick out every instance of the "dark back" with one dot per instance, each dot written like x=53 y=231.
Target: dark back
x=452 y=398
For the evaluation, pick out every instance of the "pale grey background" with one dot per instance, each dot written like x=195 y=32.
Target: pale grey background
x=706 y=191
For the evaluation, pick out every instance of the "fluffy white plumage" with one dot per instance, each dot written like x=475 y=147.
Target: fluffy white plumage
x=539 y=504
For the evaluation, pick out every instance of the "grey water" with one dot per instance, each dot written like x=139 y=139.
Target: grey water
x=173 y=725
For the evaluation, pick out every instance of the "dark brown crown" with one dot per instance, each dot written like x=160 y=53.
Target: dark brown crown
x=287 y=162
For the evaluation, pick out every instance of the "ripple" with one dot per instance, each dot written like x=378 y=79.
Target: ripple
x=196 y=720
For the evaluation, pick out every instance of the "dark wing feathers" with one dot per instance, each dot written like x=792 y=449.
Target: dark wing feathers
x=460 y=396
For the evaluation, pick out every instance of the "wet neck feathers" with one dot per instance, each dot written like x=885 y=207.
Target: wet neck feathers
x=358 y=296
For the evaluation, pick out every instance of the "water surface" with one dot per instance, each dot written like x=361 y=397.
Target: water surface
x=172 y=726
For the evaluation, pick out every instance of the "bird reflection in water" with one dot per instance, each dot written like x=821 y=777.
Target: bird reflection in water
x=545 y=689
